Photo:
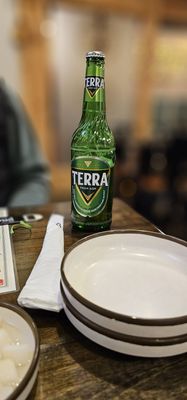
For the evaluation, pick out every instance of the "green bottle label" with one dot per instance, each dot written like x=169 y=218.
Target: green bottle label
x=90 y=185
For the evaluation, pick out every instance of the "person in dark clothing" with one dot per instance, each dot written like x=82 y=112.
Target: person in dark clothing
x=24 y=174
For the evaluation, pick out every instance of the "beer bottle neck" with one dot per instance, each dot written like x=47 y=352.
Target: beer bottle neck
x=94 y=90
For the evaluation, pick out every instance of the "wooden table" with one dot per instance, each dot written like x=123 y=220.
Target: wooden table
x=71 y=366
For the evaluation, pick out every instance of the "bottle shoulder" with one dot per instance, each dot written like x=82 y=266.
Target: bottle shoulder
x=93 y=132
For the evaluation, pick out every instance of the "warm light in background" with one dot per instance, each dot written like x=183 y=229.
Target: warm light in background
x=48 y=28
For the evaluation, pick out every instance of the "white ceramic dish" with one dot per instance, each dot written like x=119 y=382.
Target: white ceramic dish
x=123 y=347
x=23 y=323
x=140 y=340
x=133 y=282
x=134 y=329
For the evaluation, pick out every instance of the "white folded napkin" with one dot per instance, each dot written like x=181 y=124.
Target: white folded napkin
x=42 y=289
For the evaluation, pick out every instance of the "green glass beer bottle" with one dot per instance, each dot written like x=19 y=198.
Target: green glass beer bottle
x=92 y=154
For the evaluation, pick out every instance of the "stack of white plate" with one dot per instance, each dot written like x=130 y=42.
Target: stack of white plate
x=127 y=291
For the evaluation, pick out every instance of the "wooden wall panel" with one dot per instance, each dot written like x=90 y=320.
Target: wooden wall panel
x=33 y=49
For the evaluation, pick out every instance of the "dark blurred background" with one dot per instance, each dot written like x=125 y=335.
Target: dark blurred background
x=42 y=52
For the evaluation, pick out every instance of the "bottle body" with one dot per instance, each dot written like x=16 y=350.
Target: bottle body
x=92 y=157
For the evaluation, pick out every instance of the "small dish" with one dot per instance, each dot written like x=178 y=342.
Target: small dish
x=19 y=343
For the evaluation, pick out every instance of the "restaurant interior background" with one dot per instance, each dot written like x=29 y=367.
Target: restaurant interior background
x=42 y=52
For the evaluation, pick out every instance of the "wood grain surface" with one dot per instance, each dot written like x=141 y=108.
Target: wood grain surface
x=71 y=366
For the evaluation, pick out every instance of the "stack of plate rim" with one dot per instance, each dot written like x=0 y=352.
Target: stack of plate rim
x=126 y=291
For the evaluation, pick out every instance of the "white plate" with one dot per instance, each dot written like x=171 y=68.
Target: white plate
x=138 y=278
x=122 y=346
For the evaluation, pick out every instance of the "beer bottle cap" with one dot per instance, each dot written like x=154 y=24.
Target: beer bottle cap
x=96 y=54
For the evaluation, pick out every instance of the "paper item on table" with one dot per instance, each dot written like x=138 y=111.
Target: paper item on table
x=8 y=271
x=42 y=289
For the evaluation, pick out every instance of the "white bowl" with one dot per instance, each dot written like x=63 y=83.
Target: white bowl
x=17 y=320
x=141 y=340
x=130 y=347
x=132 y=282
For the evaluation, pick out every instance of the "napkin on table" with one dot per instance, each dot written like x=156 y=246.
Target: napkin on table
x=42 y=289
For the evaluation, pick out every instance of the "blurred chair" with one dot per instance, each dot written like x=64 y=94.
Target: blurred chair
x=153 y=198
x=126 y=163
x=177 y=176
